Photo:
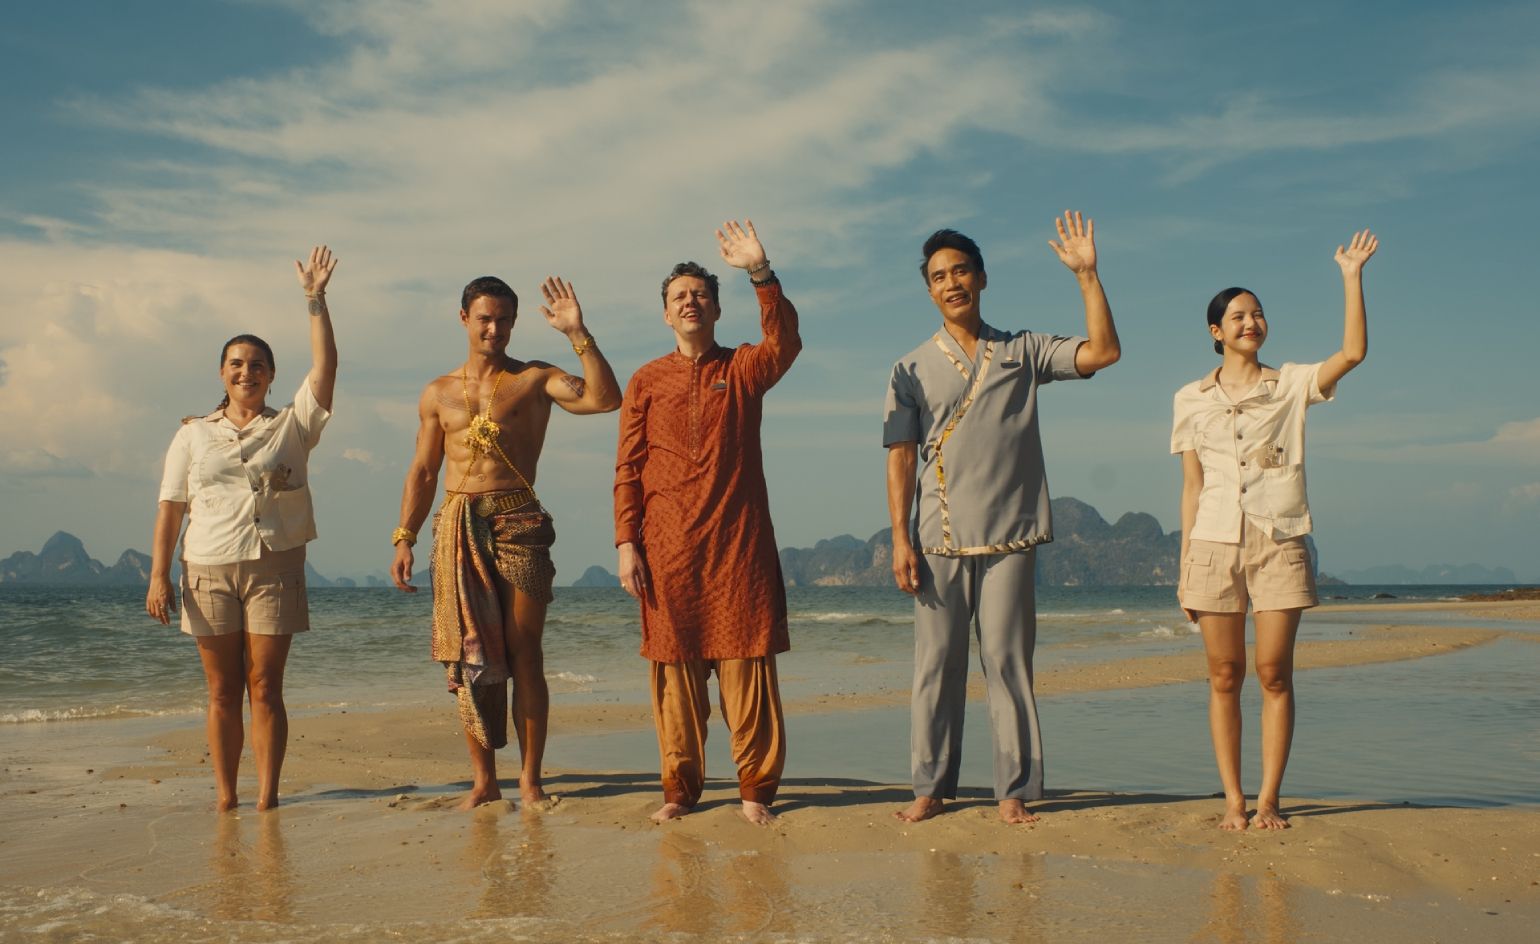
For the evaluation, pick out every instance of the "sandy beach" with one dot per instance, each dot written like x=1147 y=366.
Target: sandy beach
x=106 y=831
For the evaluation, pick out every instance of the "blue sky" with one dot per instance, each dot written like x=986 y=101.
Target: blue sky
x=165 y=162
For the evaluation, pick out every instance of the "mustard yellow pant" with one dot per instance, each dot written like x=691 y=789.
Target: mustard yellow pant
x=751 y=704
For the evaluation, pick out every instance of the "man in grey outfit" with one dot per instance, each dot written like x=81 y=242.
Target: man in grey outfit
x=961 y=424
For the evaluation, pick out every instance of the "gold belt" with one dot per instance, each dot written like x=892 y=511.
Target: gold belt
x=500 y=503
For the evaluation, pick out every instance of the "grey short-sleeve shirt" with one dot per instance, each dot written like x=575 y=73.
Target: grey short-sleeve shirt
x=982 y=487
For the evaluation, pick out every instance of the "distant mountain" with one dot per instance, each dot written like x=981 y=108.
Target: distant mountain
x=597 y=576
x=1086 y=551
x=63 y=560
x=1434 y=573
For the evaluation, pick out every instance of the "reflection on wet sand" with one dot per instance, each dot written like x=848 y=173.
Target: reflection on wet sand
x=694 y=892
x=947 y=905
x=683 y=897
x=1232 y=919
x=971 y=896
x=1018 y=882
x=514 y=866
x=759 y=898
x=252 y=884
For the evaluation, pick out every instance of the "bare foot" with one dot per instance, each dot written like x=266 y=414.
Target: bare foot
x=1234 y=819
x=532 y=795
x=225 y=804
x=479 y=796
x=267 y=804
x=1015 y=811
x=923 y=808
x=1268 y=817
x=669 y=811
x=757 y=813
x=544 y=805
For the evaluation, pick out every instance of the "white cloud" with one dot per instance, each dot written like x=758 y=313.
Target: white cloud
x=1529 y=492
x=39 y=463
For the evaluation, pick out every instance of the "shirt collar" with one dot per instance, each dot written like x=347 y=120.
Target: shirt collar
x=1211 y=380
x=986 y=333
x=714 y=352
x=218 y=416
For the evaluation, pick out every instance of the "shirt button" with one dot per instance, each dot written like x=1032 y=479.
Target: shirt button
x=258 y=519
x=1228 y=412
x=1243 y=491
x=255 y=489
x=1237 y=435
x=1243 y=463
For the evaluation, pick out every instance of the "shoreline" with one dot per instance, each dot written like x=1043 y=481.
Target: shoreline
x=114 y=837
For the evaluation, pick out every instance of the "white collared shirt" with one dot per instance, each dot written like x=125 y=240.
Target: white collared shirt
x=1252 y=451
x=245 y=488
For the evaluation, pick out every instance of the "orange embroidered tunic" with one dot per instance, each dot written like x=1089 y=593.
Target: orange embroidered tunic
x=690 y=492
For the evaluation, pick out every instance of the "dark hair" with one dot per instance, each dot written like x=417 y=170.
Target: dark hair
x=949 y=239
x=1217 y=306
x=488 y=285
x=254 y=341
x=694 y=270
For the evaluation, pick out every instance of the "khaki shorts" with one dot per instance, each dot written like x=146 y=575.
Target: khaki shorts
x=265 y=597
x=1270 y=574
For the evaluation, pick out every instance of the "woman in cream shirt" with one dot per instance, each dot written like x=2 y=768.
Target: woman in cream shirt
x=1240 y=431
x=239 y=477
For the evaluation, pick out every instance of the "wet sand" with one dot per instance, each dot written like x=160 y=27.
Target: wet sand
x=105 y=829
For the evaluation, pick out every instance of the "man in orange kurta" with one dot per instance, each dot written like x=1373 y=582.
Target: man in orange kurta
x=692 y=524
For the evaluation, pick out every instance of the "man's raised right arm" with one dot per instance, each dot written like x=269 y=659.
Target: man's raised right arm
x=421 y=485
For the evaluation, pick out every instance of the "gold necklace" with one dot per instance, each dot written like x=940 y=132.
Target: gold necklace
x=481 y=435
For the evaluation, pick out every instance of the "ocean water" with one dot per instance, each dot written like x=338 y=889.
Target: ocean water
x=78 y=653
x=1462 y=729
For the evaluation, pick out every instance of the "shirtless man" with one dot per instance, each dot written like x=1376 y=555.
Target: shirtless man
x=491 y=561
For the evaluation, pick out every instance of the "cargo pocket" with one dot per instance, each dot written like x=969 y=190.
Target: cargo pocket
x=1198 y=572
x=294 y=610
x=208 y=610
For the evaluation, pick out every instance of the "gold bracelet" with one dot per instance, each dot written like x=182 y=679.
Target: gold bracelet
x=581 y=349
x=403 y=534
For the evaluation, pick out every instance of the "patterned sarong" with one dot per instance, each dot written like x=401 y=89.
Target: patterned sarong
x=480 y=541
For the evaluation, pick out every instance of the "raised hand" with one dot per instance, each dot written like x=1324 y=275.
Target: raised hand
x=1076 y=247
x=561 y=308
x=740 y=245
x=1353 y=257
x=314 y=275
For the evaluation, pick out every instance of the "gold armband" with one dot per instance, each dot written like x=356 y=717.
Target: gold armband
x=581 y=349
x=402 y=534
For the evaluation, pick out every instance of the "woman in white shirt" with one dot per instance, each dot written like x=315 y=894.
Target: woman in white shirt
x=1240 y=431
x=239 y=476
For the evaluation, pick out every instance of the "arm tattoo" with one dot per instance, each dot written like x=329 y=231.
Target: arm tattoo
x=575 y=384
x=317 y=305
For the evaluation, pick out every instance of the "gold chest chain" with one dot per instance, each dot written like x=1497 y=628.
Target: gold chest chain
x=481 y=435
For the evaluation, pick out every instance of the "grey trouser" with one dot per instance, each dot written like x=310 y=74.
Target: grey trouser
x=994 y=596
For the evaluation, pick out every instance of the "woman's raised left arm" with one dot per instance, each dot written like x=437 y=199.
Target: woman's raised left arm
x=313 y=277
x=1355 y=328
